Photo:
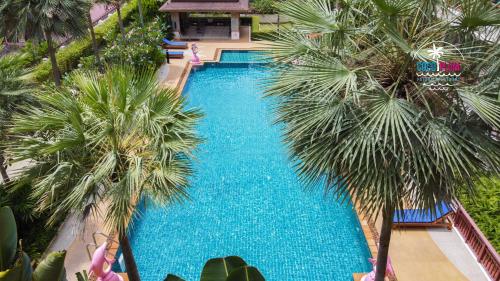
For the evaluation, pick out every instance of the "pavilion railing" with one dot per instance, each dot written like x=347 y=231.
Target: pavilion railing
x=485 y=253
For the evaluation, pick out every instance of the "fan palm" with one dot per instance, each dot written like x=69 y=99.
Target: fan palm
x=47 y=19
x=13 y=89
x=104 y=144
x=357 y=120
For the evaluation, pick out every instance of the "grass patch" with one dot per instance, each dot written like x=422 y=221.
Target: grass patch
x=266 y=31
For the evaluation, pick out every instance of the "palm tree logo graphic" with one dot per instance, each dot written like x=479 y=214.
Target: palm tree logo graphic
x=436 y=53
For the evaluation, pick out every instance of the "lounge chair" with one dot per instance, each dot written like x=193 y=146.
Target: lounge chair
x=174 y=54
x=167 y=44
x=421 y=218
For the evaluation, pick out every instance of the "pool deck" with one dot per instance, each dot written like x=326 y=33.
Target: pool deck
x=417 y=254
x=175 y=74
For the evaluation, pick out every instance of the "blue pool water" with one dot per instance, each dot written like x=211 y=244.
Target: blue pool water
x=238 y=56
x=246 y=199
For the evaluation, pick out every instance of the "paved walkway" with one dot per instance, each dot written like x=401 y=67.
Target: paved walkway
x=209 y=51
x=452 y=245
x=432 y=254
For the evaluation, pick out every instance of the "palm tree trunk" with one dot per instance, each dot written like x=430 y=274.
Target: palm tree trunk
x=3 y=169
x=94 y=43
x=141 y=15
x=383 y=247
x=128 y=256
x=120 y=21
x=52 y=54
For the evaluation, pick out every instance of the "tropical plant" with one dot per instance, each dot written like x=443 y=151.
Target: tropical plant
x=103 y=144
x=13 y=90
x=264 y=6
x=230 y=268
x=141 y=50
x=47 y=19
x=15 y=265
x=358 y=121
x=8 y=20
x=68 y=58
x=82 y=276
x=484 y=208
x=95 y=45
x=34 y=51
x=141 y=15
x=118 y=6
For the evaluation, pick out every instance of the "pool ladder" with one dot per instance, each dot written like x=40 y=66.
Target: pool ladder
x=109 y=240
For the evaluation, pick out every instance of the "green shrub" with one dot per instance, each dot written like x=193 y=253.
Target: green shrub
x=34 y=52
x=69 y=56
x=88 y=63
x=484 y=208
x=150 y=8
x=140 y=49
x=267 y=31
x=264 y=6
x=255 y=24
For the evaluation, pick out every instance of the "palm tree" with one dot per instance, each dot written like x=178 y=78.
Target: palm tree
x=46 y=19
x=118 y=5
x=8 y=20
x=14 y=87
x=357 y=119
x=95 y=46
x=141 y=14
x=105 y=144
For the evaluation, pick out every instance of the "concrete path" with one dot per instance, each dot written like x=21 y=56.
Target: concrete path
x=452 y=246
x=416 y=257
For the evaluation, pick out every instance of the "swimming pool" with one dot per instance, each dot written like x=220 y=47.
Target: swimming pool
x=246 y=199
x=238 y=56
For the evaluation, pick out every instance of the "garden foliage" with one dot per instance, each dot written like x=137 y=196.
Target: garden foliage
x=484 y=208
x=140 y=50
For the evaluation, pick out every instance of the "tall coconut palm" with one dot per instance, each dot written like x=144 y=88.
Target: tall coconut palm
x=357 y=119
x=48 y=19
x=103 y=145
x=14 y=87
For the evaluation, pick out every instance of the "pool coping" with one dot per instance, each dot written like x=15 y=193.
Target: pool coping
x=215 y=59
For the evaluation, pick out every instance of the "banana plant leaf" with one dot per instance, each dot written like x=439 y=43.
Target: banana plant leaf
x=51 y=268
x=21 y=271
x=8 y=238
x=245 y=273
x=172 y=277
x=218 y=269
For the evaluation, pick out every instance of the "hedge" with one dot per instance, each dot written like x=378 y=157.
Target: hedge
x=69 y=56
x=266 y=31
x=484 y=208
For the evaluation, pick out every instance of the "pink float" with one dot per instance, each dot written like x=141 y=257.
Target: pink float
x=97 y=267
x=195 y=60
x=389 y=272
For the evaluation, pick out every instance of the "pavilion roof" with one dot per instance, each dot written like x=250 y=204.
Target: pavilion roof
x=205 y=6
